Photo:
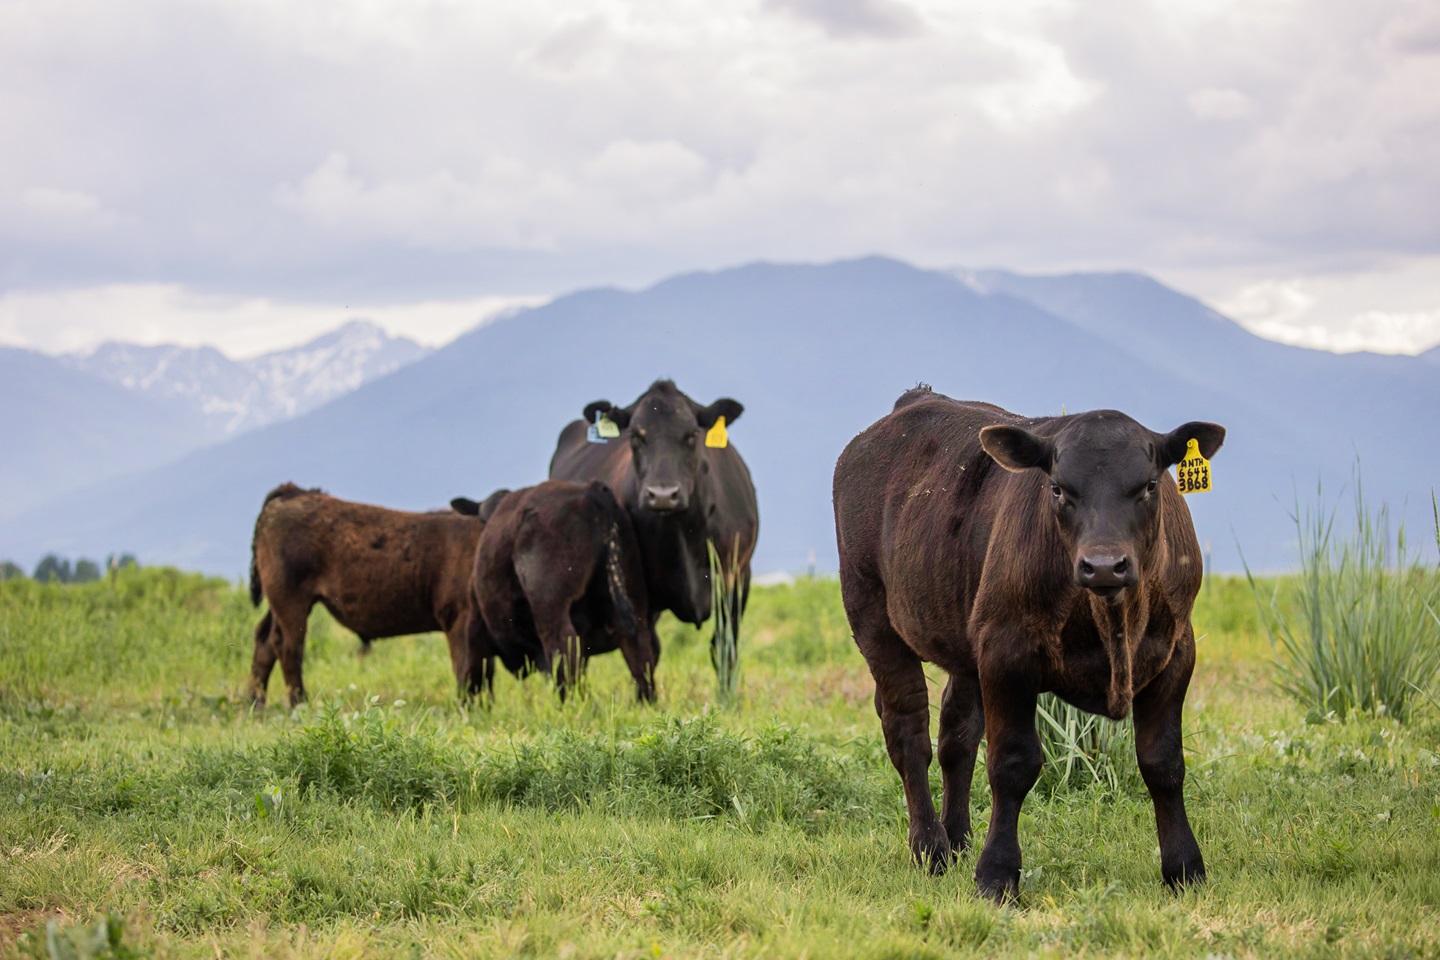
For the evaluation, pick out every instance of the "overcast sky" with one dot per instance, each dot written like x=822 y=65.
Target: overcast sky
x=250 y=174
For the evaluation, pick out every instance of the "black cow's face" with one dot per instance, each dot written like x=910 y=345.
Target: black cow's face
x=666 y=433
x=1104 y=472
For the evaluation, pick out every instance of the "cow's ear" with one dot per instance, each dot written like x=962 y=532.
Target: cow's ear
x=724 y=407
x=618 y=416
x=1017 y=449
x=486 y=508
x=466 y=506
x=1170 y=449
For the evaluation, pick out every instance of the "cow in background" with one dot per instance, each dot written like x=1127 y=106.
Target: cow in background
x=557 y=579
x=680 y=494
x=1021 y=556
x=380 y=573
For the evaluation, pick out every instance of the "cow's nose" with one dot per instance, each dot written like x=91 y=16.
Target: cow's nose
x=662 y=498
x=1105 y=573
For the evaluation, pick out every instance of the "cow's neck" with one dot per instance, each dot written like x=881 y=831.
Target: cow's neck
x=677 y=564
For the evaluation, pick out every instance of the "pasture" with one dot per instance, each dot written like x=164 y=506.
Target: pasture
x=382 y=819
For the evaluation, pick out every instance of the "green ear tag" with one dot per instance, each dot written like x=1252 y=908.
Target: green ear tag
x=1193 y=473
x=716 y=435
x=606 y=427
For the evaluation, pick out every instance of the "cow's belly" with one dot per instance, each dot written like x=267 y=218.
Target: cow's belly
x=372 y=617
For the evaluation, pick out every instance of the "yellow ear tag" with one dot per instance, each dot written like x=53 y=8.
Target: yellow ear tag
x=716 y=435
x=607 y=428
x=1193 y=473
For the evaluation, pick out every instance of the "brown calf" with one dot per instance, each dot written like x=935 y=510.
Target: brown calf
x=1021 y=556
x=558 y=578
x=380 y=572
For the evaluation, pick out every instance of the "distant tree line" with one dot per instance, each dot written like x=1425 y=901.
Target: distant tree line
x=55 y=569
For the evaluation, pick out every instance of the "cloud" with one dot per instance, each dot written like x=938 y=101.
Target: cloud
x=1218 y=104
x=880 y=19
x=70 y=320
x=1286 y=310
x=448 y=150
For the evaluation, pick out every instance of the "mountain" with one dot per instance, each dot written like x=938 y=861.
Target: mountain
x=64 y=430
x=816 y=354
x=238 y=395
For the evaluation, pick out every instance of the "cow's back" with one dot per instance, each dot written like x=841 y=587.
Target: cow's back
x=915 y=501
x=381 y=572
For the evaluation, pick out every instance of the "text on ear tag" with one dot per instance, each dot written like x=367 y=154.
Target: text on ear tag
x=1192 y=474
x=716 y=435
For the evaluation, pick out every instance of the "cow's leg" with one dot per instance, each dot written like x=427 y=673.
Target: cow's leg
x=962 y=724
x=641 y=651
x=479 y=677
x=457 y=637
x=291 y=619
x=263 y=661
x=904 y=709
x=1012 y=758
x=1159 y=749
x=560 y=641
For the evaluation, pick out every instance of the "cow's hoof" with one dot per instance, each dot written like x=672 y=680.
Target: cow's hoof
x=1188 y=875
x=1001 y=890
x=934 y=853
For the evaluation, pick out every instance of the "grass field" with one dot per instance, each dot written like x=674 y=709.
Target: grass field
x=384 y=820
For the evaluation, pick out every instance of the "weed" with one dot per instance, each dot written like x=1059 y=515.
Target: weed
x=1358 y=631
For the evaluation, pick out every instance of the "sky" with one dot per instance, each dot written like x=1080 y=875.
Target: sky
x=251 y=174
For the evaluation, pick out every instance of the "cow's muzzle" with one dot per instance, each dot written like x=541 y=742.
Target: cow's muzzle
x=1105 y=573
x=663 y=499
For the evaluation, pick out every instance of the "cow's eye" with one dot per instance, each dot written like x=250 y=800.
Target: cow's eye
x=637 y=437
x=1153 y=485
x=1055 y=491
x=691 y=437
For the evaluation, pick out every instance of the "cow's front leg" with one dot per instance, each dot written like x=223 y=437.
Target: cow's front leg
x=904 y=709
x=1013 y=759
x=962 y=724
x=1159 y=750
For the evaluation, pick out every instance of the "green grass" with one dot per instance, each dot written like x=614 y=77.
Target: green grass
x=145 y=810
x=1357 y=629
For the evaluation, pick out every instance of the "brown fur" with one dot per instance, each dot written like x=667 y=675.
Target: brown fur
x=558 y=578
x=380 y=572
x=946 y=557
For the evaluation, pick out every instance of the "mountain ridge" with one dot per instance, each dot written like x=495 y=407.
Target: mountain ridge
x=815 y=352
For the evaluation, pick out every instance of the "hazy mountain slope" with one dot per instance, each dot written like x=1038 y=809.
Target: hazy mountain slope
x=239 y=395
x=816 y=353
x=64 y=430
x=1354 y=405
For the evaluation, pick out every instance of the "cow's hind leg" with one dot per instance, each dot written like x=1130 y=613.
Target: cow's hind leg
x=291 y=619
x=550 y=597
x=1160 y=752
x=1013 y=759
x=962 y=724
x=640 y=651
x=263 y=661
x=904 y=709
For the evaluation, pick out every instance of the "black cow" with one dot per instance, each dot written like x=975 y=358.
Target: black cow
x=678 y=492
x=1022 y=556
x=557 y=579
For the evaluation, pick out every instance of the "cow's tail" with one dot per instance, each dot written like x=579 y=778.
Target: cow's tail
x=618 y=542
x=625 y=616
x=255 y=591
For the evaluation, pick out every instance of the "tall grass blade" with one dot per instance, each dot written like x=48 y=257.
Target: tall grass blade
x=725 y=615
x=1356 y=631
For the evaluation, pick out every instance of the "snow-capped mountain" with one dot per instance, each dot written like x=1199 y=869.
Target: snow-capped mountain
x=238 y=395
